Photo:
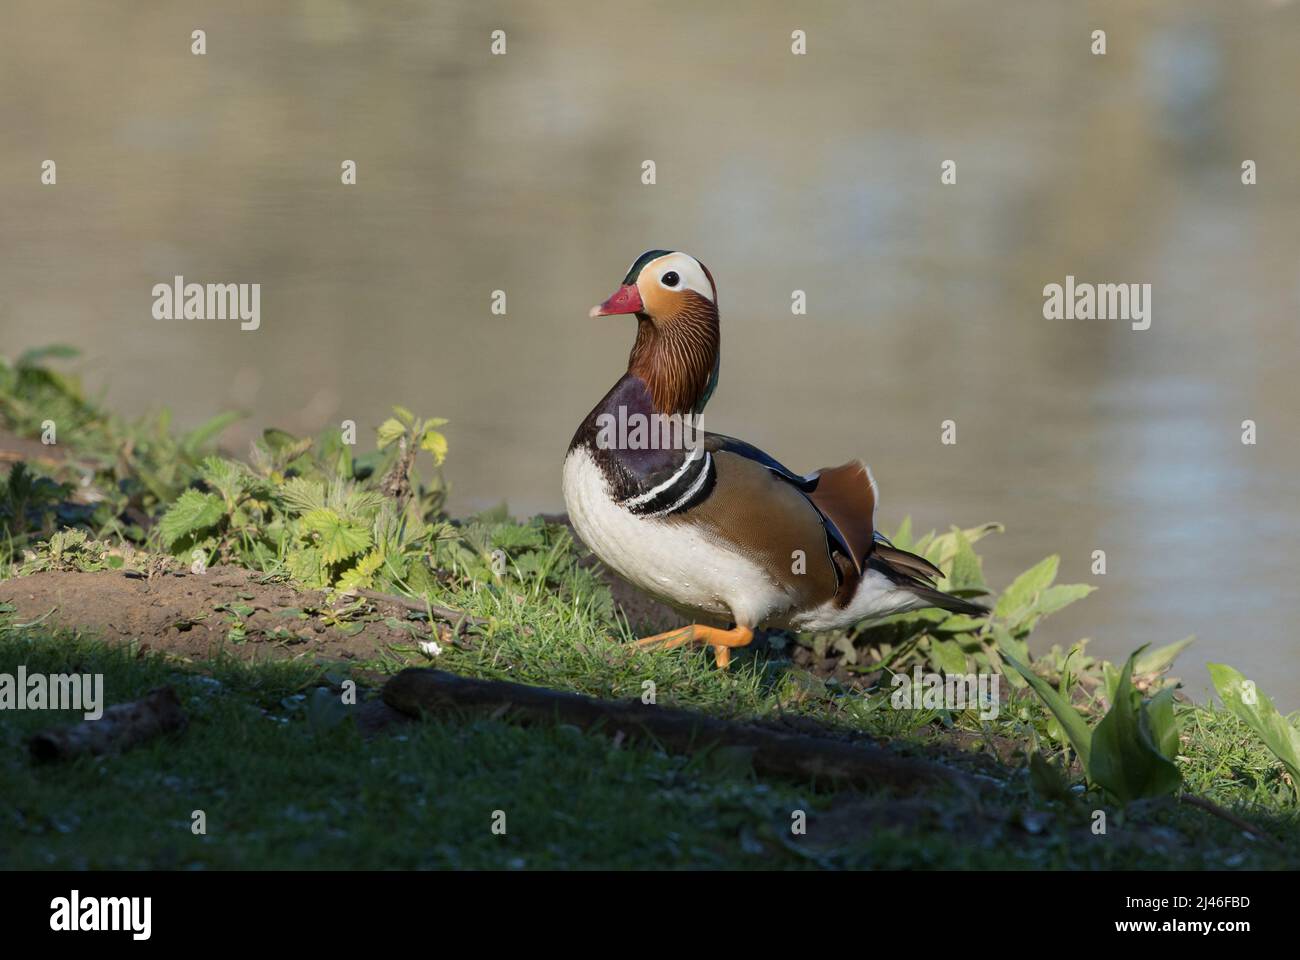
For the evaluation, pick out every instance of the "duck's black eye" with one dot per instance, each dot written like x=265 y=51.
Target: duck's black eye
x=670 y=278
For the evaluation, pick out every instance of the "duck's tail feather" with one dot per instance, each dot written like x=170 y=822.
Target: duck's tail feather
x=916 y=575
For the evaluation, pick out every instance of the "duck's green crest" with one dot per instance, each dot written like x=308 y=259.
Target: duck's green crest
x=641 y=261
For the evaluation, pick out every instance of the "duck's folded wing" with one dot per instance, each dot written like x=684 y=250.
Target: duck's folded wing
x=845 y=496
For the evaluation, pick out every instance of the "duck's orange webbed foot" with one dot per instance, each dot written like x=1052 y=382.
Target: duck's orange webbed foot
x=720 y=640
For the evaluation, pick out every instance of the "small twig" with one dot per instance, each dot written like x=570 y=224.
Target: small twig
x=39 y=620
x=1209 y=806
x=449 y=614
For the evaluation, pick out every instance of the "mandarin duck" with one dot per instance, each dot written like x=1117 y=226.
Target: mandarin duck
x=710 y=524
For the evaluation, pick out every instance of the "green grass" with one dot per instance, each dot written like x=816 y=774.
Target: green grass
x=286 y=780
x=281 y=788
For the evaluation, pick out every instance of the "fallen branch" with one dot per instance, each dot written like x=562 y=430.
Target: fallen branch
x=123 y=725
x=1209 y=806
x=450 y=614
x=415 y=691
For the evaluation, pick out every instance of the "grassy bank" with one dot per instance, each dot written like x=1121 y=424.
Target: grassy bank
x=1085 y=765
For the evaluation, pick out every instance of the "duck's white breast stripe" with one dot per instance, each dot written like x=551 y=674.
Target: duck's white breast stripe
x=649 y=495
x=686 y=498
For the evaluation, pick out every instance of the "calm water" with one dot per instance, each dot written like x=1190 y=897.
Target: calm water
x=821 y=173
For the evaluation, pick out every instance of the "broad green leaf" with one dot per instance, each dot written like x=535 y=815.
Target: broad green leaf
x=389 y=432
x=1110 y=679
x=1046 y=778
x=947 y=656
x=193 y=511
x=961 y=623
x=1253 y=708
x=1008 y=646
x=404 y=415
x=1164 y=726
x=1060 y=596
x=1025 y=589
x=1126 y=762
x=965 y=572
x=1069 y=718
x=1161 y=658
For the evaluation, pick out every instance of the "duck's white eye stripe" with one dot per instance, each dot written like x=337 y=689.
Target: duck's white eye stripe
x=689 y=275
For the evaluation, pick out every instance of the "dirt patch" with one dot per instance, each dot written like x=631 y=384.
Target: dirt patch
x=227 y=609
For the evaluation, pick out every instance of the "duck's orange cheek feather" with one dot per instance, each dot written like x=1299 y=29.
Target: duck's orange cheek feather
x=660 y=303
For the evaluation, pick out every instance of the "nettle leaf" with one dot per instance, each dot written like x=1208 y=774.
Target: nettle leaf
x=226 y=476
x=306 y=567
x=1071 y=721
x=390 y=431
x=522 y=537
x=362 y=575
x=1025 y=589
x=1249 y=705
x=301 y=495
x=1126 y=761
x=193 y=511
x=436 y=444
x=338 y=538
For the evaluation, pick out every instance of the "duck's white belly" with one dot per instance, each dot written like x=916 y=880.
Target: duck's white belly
x=668 y=559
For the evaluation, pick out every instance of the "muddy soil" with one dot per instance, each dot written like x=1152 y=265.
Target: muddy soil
x=193 y=616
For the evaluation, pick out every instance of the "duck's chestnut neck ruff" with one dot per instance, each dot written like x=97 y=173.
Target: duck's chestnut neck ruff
x=677 y=352
x=678 y=358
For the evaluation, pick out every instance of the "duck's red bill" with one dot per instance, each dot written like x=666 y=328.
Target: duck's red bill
x=627 y=299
